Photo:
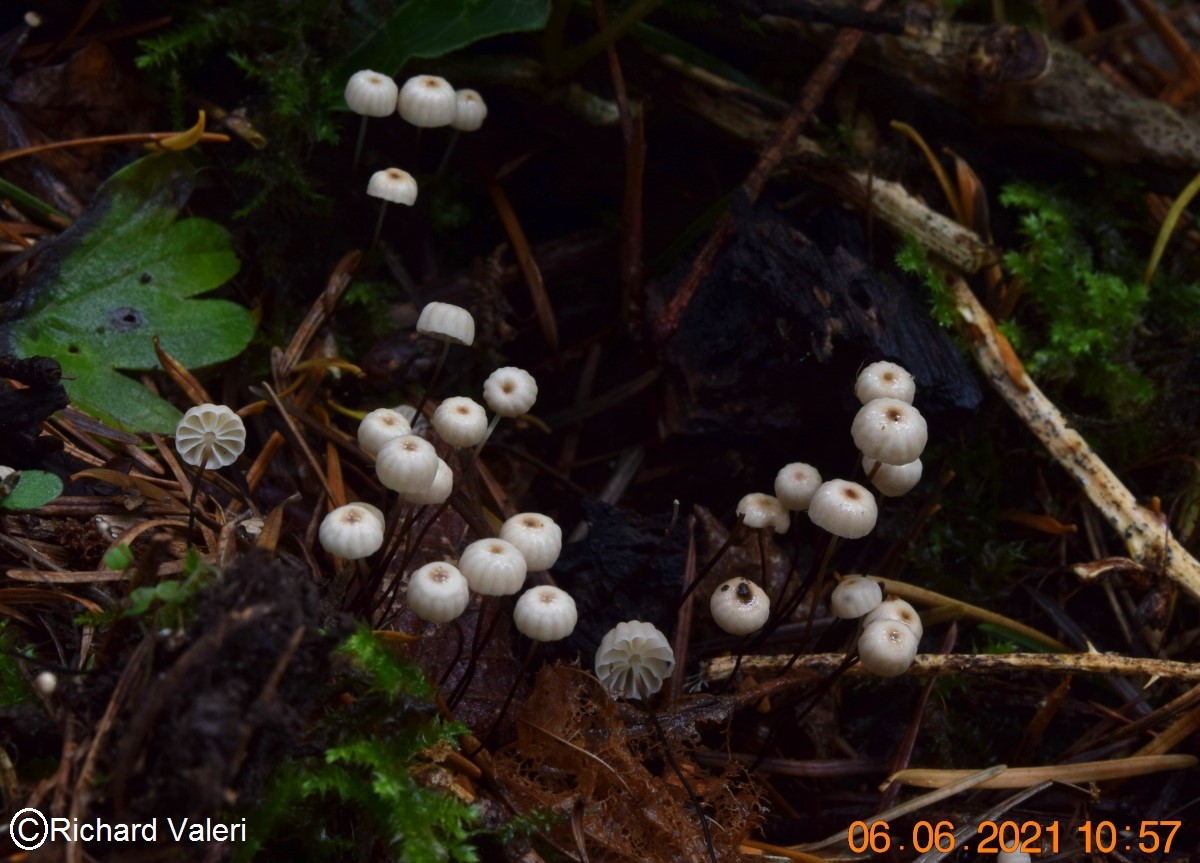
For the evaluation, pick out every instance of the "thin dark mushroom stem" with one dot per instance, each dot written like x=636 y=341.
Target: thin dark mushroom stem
x=204 y=454
x=691 y=588
x=512 y=691
x=433 y=381
x=687 y=786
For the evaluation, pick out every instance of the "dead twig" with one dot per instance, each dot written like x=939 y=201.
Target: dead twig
x=1147 y=536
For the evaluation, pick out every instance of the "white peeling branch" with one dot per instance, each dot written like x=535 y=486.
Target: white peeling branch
x=1145 y=533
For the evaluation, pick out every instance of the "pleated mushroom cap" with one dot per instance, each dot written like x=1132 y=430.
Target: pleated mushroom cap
x=352 y=532
x=438 y=592
x=371 y=94
x=493 y=567
x=855 y=596
x=795 y=484
x=393 y=185
x=843 y=508
x=633 y=659
x=545 y=613
x=890 y=431
x=212 y=428
x=536 y=536
x=887 y=648
x=884 y=380
x=447 y=322
x=763 y=511
x=427 y=101
x=380 y=426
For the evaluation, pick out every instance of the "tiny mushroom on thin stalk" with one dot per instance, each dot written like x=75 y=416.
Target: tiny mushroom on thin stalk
x=895 y=608
x=890 y=431
x=509 y=392
x=740 y=607
x=536 y=536
x=460 y=422
x=469 y=113
x=208 y=436
x=427 y=101
x=438 y=592
x=885 y=380
x=855 y=596
x=887 y=647
x=762 y=511
x=45 y=683
x=392 y=186
x=545 y=613
x=438 y=491
x=370 y=94
x=893 y=480
x=450 y=325
x=352 y=532
x=795 y=484
x=493 y=567
x=633 y=660
x=844 y=509
x=407 y=464
x=380 y=426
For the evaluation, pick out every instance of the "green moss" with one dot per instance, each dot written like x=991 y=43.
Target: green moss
x=13 y=687
x=358 y=779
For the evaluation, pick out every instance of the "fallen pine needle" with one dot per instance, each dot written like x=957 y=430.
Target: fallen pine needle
x=1023 y=777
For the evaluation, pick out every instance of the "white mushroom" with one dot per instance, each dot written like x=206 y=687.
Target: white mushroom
x=371 y=94
x=510 y=391
x=352 y=531
x=795 y=484
x=448 y=323
x=212 y=429
x=438 y=592
x=545 y=613
x=843 y=508
x=536 y=536
x=380 y=426
x=855 y=596
x=427 y=101
x=493 y=567
x=438 y=491
x=895 y=608
x=884 y=380
x=633 y=659
x=469 y=111
x=740 y=607
x=407 y=464
x=893 y=480
x=887 y=648
x=460 y=422
x=890 y=431
x=763 y=511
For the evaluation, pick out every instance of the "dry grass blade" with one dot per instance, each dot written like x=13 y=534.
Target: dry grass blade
x=1023 y=777
x=956 y=205
x=959 y=610
x=318 y=314
x=529 y=266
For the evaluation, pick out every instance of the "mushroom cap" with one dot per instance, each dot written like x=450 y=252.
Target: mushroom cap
x=1013 y=857
x=895 y=608
x=469 y=111
x=427 y=101
x=795 y=484
x=890 y=431
x=740 y=607
x=894 y=480
x=855 y=596
x=393 y=185
x=545 y=613
x=460 y=421
x=887 y=647
x=633 y=659
x=438 y=592
x=885 y=380
x=493 y=567
x=45 y=683
x=536 y=536
x=510 y=391
x=371 y=94
x=380 y=426
x=406 y=464
x=438 y=491
x=843 y=508
x=447 y=322
x=762 y=510
x=216 y=427
x=352 y=531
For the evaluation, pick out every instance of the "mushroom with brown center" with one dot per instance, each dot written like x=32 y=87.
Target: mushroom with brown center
x=885 y=380
x=380 y=426
x=406 y=464
x=370 y=94
x=427 y=101
x=887 y=648
x=493 y=567
x=545 y=613
x=460 y=421
x=536 y=536
x=844 y=509
x=352 y=531
x=795 y=484
x=762 y=511
x=895 y=608
x=391 y=186
x=438 y=592
x=855 y=596
x=890 y=431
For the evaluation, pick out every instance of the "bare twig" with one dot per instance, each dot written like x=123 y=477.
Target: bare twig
x=1147 y=536
x=929 y=664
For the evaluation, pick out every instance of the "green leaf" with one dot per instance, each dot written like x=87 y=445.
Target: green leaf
x=35 y=488
x=431 y=28
x=124 y=272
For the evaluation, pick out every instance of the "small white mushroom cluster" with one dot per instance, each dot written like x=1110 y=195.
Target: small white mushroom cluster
x=425 y=101
x=891 y=629
x=529 y=541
